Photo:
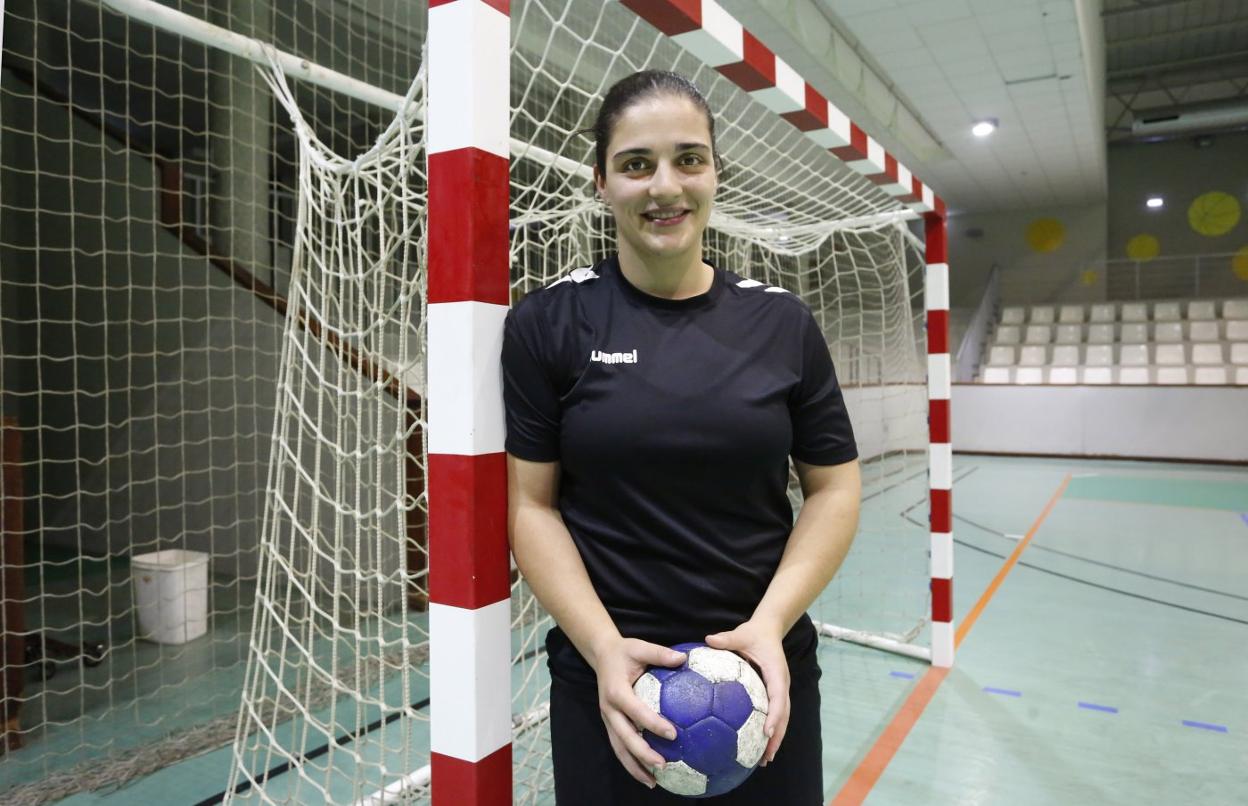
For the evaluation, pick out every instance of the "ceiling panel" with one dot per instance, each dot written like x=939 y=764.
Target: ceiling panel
x=955 y=61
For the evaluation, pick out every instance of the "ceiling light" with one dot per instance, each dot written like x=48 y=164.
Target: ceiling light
x=1155 y=202
x=985 y=127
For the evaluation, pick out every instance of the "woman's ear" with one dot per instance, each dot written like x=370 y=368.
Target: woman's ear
x=600 y=183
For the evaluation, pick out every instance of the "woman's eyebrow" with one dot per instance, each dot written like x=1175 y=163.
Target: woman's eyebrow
x=645 y=152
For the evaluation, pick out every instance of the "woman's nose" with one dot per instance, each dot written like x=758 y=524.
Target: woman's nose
x=663 y=182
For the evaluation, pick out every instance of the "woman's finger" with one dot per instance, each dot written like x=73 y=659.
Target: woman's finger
x=633 y=742
x=630 y=764
x=642 y=716
x=648 y=654
x=776 y=681
x=777 y=723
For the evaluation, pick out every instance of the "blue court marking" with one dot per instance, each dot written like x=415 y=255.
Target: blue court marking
x=1244 y=517
x=1091 y=706
x=1009 y=692
x=1205 y=726
x=906 y=675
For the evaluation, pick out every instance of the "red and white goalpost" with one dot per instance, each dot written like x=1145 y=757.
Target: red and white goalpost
x=469 y=281
x=406 y=255
x=471 y=761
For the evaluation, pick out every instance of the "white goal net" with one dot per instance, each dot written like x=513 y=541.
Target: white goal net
x=214 y=342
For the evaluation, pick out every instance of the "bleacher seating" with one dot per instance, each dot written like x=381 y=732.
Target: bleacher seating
x=1101 y=334
x=1201 y=342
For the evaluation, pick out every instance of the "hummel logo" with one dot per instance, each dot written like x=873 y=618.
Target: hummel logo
x=613 y=358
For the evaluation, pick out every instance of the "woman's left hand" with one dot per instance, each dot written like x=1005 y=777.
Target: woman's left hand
x=760 y=644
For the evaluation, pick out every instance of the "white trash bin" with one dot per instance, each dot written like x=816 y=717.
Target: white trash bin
x=171 y=595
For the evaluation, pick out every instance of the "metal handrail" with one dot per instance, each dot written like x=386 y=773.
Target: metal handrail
x=970 y=351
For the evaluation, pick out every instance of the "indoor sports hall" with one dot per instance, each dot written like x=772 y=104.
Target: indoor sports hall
x=255 y=259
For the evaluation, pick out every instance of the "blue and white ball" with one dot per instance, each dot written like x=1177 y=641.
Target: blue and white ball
x=718 y=704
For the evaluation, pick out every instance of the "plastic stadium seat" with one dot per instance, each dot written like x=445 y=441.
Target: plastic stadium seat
x=1008 y=334
x=1029 y=375
x=1237 y=330
x=1235 y=309
x=1012 y=316
x=1173 y=375
x=1212 y=376
x=1168 y=331
x=1001 y=356
x=1104 y=313
x=1033 y=355
x=1134 y=312
x=1039 y=334
x=996 y=375
x=1208 y=353
x=1167 y=312
x=1135 y=375
x=1067 y=355
x=1239 y=352
x=1134 y=332
x=1041 y=315
x=1133 y=355
x=1071 y=315
x=1063 y=375
x=1172 y=354
x=1100 y=334
x=1097 y=375
x=1198 y=310
x=1070 y=334
x=1203 y=331
x=1099 y=355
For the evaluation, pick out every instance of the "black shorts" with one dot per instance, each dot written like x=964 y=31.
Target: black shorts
x=587 y=773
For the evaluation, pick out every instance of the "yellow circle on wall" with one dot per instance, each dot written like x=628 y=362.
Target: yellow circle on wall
x=1143 y=247
x=1045 y=234
x=1239 y=263
x=1213 y=213
x=1089 y=277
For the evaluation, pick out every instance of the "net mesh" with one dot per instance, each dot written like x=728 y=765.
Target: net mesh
x=246 y=377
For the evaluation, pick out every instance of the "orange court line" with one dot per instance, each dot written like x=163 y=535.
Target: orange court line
x=873 y=764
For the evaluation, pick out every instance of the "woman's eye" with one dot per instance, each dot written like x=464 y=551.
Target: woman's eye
x=634 y=165
x=691 y=159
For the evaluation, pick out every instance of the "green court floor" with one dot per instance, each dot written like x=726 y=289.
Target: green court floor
x=1109 y=666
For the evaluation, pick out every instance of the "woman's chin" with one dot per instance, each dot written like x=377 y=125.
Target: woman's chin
x=668 y=246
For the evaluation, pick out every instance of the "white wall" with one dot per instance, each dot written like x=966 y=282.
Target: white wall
x=143 y=377
x=1027 y=276
x=1171 y=422
x=888 y=418
x=1179 y=171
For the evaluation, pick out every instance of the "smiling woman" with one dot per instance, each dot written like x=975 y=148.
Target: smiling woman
x=673 y=525
x=656 y=169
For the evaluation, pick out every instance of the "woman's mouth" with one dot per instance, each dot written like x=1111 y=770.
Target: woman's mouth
x=665 y=218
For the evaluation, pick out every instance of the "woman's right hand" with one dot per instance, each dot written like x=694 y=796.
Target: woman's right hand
x=620 y=662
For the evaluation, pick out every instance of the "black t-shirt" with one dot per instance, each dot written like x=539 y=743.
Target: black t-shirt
x=673 y=422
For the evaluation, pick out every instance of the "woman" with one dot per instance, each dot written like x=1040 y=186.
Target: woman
x=653 y=402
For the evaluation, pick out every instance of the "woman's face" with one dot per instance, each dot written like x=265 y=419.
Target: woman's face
x=660 y=178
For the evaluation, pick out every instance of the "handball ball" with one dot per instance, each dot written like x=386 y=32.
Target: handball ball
x=718 y=704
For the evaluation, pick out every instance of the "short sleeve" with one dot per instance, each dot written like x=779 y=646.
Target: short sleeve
x=822 y=433
x=530 y=399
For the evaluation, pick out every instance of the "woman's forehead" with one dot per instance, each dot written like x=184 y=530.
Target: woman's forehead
x=660 y=120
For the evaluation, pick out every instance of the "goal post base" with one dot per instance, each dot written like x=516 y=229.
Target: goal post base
x=874 y=641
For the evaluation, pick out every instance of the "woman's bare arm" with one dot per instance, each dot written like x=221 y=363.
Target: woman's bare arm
x=552 y=566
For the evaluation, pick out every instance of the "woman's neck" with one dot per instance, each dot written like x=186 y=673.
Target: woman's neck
x=679 y=278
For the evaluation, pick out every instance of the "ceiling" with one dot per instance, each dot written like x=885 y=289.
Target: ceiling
x=1062 y=77
x=1019 y=61
x=1172 y=53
